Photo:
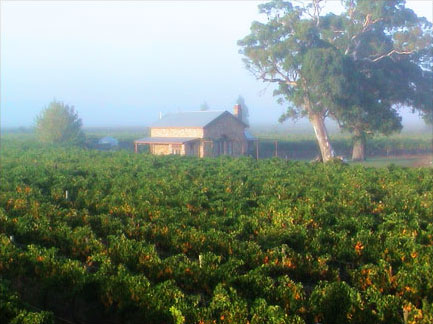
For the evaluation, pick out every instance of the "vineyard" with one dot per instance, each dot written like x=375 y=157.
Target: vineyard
x=115 y=237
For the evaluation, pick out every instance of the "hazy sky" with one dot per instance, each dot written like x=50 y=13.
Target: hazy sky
x=120 y=63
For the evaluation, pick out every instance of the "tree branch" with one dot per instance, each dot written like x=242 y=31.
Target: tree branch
x=317 y=10
x=286 y=78
x=390 y=53
x=366 y=26
x=368 y=23
x=340 y=125
x=260 y=73
x=288 y=82
x=351 y=10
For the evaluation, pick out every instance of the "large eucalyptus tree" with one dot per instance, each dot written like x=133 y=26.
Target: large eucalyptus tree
x=356 y=67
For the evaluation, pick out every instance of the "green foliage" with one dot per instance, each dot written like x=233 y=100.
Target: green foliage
x=14 y=311
x=334 y=302
x=146 y=239
x=59 y=124
x=357 y=67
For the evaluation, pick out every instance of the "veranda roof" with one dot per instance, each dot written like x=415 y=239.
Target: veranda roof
x=165 y=140
x=249 y=136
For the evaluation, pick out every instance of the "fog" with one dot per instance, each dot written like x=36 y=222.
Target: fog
x=122 y=63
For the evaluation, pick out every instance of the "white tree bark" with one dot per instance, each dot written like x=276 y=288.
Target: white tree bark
x=318 y=122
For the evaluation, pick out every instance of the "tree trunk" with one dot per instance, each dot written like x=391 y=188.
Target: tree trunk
x=358 y=152
x=322 y=137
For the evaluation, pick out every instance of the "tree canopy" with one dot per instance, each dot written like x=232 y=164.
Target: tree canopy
x=59 y=124
x=357 y=67
x=204 y=106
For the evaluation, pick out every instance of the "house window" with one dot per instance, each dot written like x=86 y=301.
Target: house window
x=175 y=149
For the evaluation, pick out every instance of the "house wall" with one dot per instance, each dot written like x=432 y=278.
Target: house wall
x=192 y=148
x=166 y=149
x=176 y=132
x=206 y=149
x=160 y=149
x=230 y=128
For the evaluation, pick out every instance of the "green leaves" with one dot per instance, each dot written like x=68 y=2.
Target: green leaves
x=59 y=124
x=327 y=75
x=334 y=302
x=13 y=310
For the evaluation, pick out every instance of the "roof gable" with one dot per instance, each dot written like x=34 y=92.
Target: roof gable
x=229 y=115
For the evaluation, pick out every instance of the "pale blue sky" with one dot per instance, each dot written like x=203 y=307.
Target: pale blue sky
x=121 y=63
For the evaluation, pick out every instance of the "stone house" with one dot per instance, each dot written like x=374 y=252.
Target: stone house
x=199 y=133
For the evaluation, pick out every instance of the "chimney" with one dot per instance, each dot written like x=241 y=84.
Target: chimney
x=237 y=111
